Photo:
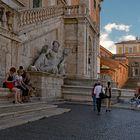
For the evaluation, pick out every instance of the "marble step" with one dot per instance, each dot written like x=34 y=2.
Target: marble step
x=6 y=96
x=80 y=82
x=16 y=110
x=82 y=93
x=85 y=82
x=31 y=116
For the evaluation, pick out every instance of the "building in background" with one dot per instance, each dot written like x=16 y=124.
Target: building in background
x=131 y=49
x=113 y=68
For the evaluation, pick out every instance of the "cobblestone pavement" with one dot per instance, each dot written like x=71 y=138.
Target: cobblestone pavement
x=82 y=123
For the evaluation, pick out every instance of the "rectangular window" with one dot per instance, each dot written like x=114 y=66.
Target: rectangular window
x=135 y=49
x=120 y=50
x=130 y=50
x=139 y=49
x=126 y=50
x=37 y=3
x=94 y=4
x=136 y=71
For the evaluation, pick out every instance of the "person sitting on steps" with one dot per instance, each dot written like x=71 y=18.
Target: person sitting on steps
x=10 y=83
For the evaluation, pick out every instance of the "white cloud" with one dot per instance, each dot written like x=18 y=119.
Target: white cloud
x=107 y=42
x=127 y=37
x=120 y=27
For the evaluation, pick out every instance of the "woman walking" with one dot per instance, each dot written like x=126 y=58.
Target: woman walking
x=108 y=92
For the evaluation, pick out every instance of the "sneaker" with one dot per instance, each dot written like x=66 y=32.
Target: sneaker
x=98 y=113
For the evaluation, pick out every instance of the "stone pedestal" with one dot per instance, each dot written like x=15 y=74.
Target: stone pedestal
x=48 y=86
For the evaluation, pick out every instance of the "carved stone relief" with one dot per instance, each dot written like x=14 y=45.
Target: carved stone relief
x=51 y=59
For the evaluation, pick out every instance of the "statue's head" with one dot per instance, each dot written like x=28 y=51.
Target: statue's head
x=44 y=49
x=55 y=46
x=65 y=52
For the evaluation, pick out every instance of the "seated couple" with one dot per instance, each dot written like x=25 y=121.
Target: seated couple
x=16 y=84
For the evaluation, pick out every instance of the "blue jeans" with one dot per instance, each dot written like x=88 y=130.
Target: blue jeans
x=94 y=102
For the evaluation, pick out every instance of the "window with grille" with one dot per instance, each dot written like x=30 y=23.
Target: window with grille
x=37 y=3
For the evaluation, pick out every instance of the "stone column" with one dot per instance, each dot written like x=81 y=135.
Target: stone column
x=92 y=60
x=95 y=58
x=82 y=46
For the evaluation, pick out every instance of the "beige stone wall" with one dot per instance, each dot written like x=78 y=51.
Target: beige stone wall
x=47 y=86
x=8 y=55
x=81 y=40
x=25 y=2
x=70 y=37
x=5 y=54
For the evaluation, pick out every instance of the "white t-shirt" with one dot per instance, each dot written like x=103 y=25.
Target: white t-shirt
x=97 y=90
x=18 y=79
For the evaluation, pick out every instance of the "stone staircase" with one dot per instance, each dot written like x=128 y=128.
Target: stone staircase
x=77 y=89
x=131 y=83
x=17 y=114
x=80 y=90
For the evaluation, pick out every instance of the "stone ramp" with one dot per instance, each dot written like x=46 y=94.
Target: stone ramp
x=17 y=114
x=132 y=83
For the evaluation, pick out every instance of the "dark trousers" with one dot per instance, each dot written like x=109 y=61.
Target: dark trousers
x=94 y=102
x=98 y=103
x=24 y=90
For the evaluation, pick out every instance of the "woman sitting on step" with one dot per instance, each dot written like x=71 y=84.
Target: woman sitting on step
x=10 y=83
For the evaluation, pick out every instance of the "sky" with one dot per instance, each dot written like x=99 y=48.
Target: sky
x=120 y=21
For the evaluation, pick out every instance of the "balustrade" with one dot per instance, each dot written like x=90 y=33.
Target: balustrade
x=75 y=10
x=30 y=16
x=38 y=14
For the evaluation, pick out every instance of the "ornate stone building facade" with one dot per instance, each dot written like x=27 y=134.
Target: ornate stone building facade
x=131 y=50
x=27 y=25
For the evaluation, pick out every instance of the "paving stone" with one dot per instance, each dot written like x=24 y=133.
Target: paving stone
x=81 y=123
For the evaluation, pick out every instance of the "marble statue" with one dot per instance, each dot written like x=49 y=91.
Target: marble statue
x=41 y=61
x=48 y=60
x=51 y=60
x=9 y=16
x=62 y=62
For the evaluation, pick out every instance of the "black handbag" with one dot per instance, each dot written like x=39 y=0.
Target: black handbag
x=102 y=95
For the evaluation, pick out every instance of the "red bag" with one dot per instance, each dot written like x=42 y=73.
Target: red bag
x=9 y=85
